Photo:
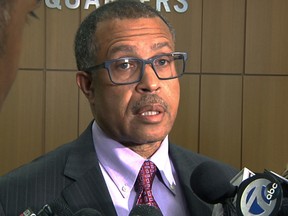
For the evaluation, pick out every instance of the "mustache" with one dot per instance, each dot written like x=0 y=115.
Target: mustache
x=147 y=100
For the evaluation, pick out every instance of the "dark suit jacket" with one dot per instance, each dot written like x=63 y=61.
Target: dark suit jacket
x=73 y=173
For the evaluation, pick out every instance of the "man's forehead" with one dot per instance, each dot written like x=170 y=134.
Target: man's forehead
x=131 y=22
x=133 y=49
x=134 y=27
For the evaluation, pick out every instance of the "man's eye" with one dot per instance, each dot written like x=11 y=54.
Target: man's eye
x=162 y=62
x=124 y=66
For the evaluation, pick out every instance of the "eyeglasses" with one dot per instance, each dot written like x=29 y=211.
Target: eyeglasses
x=130 y=70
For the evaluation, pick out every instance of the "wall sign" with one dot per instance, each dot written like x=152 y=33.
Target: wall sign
x=179 y=6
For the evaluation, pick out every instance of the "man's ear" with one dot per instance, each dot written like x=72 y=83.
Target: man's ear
x=84 y=82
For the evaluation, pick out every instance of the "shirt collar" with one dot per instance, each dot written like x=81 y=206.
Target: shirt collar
x=123 y=165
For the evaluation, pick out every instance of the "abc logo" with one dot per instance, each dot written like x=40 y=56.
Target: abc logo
x=259 y=195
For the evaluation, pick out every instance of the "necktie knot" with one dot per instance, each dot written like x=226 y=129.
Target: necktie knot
x=144 y=184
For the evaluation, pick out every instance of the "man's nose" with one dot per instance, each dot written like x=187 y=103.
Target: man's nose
x=149 y=82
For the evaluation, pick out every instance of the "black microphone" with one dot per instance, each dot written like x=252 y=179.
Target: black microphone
x=28 y=212
x=56 y=208
x=60 y=208
x=284 y=184
x=87 y=212
x=284 y=207
x=260 y=194
x=145 y=210
x=45 y=211
x=211 y=183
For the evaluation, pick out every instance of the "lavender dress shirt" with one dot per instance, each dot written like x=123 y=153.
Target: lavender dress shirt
x=120 y=167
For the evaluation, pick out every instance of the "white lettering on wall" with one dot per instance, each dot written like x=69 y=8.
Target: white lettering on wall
x=53 y=4
x=183 y=7
x=72 y=6
x=164 y=3
x=180 y=7
x=143 y=1
x=91 y=2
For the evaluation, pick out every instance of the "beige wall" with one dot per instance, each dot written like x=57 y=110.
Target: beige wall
x=234 y=98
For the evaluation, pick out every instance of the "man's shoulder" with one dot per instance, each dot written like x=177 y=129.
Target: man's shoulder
x=186 y=155
x=34 y=183
x=190 y=160
x=52 y=161
x=49 y=161
x=44 y=179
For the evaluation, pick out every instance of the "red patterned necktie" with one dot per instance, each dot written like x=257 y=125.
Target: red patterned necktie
x=144 y=184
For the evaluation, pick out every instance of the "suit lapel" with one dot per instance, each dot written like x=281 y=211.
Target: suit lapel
x=89 y=189
x=184 y=164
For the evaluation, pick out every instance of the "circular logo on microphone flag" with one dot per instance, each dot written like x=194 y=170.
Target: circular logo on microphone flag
x=259 y=195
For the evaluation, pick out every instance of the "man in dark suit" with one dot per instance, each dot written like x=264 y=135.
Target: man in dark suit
x=128 y=70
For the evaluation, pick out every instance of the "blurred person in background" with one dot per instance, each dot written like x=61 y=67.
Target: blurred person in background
x=13 y=17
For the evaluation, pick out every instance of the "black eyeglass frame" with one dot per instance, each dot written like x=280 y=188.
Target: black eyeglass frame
x=106 y=64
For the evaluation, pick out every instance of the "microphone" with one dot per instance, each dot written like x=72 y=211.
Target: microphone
x=87 y=212
x=219 y=190
x=284 y=183
x=246 y=194
x=284 y=208
x=45 y=211
x=145 y=210
x=28 y=212
x=211 y=191
x=259 y=195
x=57 y=208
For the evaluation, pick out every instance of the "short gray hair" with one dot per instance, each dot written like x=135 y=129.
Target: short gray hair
x=86 y=47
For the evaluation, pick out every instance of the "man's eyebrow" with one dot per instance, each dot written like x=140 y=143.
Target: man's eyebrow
x=160 y=45
x=123 y=48
x=131 y=49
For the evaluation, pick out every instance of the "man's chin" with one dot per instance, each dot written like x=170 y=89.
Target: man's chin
x=143 y=141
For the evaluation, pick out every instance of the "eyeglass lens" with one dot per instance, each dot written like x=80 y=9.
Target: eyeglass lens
x=128 y=70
